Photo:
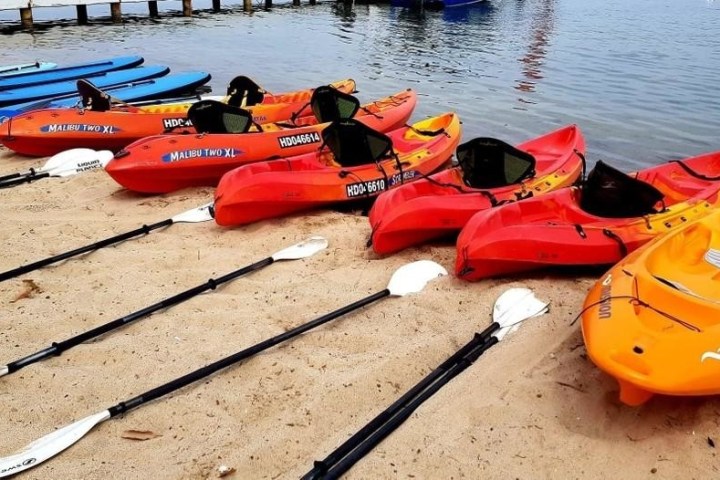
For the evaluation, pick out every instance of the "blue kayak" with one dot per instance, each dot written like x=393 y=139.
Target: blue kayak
x=157 y=88
x=37 y=92
x=71 y=72
x=12 y=70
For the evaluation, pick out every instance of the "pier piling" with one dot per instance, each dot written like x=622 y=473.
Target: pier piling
x=82 y=15
x=26 y=17
x=153 y=8
x=216 y=5
x=247 y=5
x=116 y=12
x=187 y=8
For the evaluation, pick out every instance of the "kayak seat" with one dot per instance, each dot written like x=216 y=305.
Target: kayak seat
x=243 y=92
x=93 y=98
x=211 y=116
x=610 y=193
x=491 y=163
x=354 y=143
x=329 y=104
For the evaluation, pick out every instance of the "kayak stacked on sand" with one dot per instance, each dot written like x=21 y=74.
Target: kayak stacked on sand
x=610 y=216
x=489 y=173
x=653 y=320
x=100 y=124
x=165 y=163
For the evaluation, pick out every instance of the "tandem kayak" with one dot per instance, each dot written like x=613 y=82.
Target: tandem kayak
x=612 y=215
x=71 y=72
x=52 y=130
x=359 y=164
x=164 y=163
x=489 y=173
x=37 y=92
x=652 y=321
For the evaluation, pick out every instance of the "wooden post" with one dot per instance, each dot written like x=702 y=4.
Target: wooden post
x=26 y=17
x=216 y=5
x=312 y=2
x=247 y=5
x=116 y=12
x=82 y=14
x=268 y=3
x=187 y=8
x=152 y=6
x=296 y=3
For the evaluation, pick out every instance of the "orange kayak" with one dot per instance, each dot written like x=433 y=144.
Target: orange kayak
x=47 y=132
x=611 y=216
x=653 y=321
x=442 y=204
x=343 y=173
x=165 y=163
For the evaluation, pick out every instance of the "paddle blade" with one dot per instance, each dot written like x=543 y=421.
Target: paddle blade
x=413 y=277
x=515 y=306
x=67 y=156
x=82 y=162
x=303 y=249
x=196 y=215
x=50 y=445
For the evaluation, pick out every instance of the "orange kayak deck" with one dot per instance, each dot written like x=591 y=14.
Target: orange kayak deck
x=47 y=132
x=272 y=189
x=440 y=206
x=653 y=321
x=552 y=229
x=166 y=163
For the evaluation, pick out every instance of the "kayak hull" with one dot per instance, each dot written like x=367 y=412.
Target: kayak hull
x=666 y=341
x=439 y=207
x=50 y=131
x=166 y=163
x=552 y=230
x=281 y=187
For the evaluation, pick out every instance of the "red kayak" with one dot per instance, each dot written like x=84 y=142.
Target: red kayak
x=359 y=164
x=612 y=215
x=489 y=173
x=165 y=163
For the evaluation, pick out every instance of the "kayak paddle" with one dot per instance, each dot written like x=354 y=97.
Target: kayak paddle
x=196 y=215
x=300 y=250
x=410 y=278
x=511 y=308
x=63 y=164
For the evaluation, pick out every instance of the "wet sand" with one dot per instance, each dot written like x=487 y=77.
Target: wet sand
x=532 y=407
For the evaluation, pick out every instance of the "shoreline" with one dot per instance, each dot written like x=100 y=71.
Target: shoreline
x=532 y=407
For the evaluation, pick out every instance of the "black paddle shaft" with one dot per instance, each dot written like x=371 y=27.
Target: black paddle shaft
x=362 y=442
x=11 y=181
x=144 y=230
x=58 y=347
x=207 y=370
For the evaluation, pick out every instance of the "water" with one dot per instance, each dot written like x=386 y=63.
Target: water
x=640 y=77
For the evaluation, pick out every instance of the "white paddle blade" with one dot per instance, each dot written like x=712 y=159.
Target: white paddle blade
x=304 y=249
x=515 y=306
x=196 y=215
x=82 y=163
x=413 y=277
x=50 y=445
x=65 y=157
x=4 y=371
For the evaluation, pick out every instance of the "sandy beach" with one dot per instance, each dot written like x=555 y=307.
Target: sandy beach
x=532 y=407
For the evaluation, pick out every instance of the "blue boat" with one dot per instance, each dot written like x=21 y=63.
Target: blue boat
x=158 y=88
x=38 y=92
x=11 y=70
x=60 y=74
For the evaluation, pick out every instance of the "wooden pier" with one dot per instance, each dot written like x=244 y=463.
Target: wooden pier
x=26 y=7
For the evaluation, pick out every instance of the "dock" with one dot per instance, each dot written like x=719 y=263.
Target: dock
x=26 y=7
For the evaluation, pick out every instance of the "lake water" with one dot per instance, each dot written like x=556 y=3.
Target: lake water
x=640 y=77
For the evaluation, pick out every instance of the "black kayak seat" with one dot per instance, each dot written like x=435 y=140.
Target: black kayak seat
x=490 y=163
x=92 y=97
x=211 y=116
x=608 y=192
x=354 y=143
x=329 y=104
x=243 y=88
